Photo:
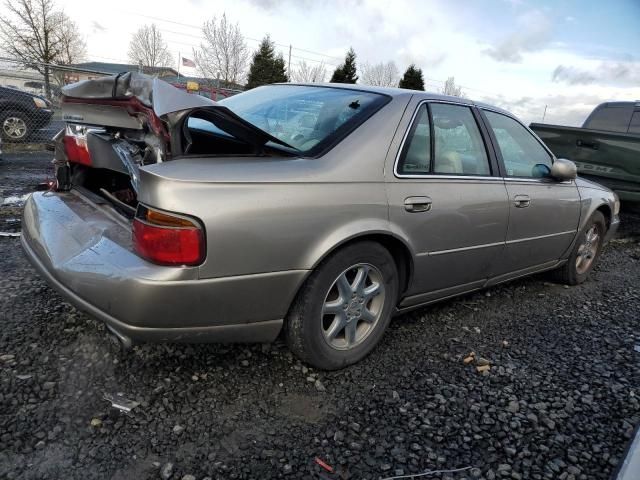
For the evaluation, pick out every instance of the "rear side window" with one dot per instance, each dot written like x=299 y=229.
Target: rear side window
x=456 y=143
x=522 y=154
x=459 y=149
x=634 y=126
x=416 y=152
x=610 y=118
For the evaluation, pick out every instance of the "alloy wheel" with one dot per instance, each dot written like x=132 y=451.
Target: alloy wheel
x=353 y=306
x=14 y=127
x=588 y=250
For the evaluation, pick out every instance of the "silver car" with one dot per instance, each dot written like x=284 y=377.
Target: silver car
x=316 y=210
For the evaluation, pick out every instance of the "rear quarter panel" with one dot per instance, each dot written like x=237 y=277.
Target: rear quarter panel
x=266 y=214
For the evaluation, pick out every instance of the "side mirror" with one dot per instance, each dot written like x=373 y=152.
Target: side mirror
x=563 y=169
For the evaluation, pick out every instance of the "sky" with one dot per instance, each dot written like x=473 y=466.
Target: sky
x=522 y=55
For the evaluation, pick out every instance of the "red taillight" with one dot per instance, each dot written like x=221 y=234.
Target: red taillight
x=167 y=239
x=76 y=149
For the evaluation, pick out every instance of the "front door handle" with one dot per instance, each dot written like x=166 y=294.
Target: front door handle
x=417 y=204
x=521 y=201
x=591 y=145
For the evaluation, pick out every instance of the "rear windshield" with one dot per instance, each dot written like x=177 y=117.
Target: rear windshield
x=612 y=118
x=307 y=118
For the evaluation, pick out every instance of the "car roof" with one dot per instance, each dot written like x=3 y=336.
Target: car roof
x=17 y=92
x=620 y=104
x=401 y=92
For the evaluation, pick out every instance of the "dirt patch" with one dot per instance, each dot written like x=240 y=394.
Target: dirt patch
x=305 y=408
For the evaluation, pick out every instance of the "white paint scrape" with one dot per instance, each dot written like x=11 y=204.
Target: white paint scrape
x=15 y=200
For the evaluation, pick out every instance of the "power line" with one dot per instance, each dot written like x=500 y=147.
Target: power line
x=282 y=45
x=199 y=27
x=193 y=45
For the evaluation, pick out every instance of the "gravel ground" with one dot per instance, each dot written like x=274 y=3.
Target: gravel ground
x=560 y=400
x=19 y=174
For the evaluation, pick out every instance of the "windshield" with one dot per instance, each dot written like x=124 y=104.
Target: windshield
x=306 y=118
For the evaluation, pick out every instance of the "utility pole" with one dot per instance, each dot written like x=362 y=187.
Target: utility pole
x=289 y=65
x=544 y=114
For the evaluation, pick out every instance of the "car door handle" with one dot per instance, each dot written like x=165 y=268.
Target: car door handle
x=417 y=204
x=521 y=201
x=591 y=145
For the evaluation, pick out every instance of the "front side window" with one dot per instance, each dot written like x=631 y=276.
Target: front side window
x=522 y=154
x=459 y=149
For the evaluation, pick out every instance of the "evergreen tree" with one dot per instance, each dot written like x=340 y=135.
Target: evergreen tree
x=412 y=79
x=266 y=67
x=346 y=73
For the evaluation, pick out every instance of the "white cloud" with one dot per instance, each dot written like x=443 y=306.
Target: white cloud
x=514 y=70
x=532 y=32
x=622 y=73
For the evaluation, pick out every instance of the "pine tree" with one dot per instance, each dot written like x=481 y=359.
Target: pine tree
x=412 y=79
x=266 y=67
x=346 y=73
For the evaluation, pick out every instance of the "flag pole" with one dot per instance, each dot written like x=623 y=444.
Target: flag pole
x=179 y=62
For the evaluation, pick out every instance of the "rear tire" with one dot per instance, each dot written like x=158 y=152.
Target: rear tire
x=344 y=307
x=585 y=253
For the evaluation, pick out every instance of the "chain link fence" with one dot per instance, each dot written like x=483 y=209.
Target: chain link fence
x=30 y=112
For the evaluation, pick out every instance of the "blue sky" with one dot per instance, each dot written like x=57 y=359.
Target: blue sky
x=591 y=27
x=523 y=55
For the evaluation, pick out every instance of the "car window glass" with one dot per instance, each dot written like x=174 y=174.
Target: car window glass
x=416 y=153
x=522 y=154
x=459 y=149
x=610 y=118
x=304 y=117
x=202 y=124
x=634 y=126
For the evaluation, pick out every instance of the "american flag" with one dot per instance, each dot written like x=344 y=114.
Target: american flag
x=188 y=63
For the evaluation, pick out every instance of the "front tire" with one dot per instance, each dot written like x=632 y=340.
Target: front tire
x=344 y=307
x=585 y=253
x=15 y=126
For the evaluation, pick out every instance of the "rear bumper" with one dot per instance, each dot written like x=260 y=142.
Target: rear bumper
x=84 y=252
x=627 y=190
x=628 y=195
x=629 y=469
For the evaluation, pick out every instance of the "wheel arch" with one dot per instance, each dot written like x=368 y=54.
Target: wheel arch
x=13 y=107
x=605 y=209
x=396 y=246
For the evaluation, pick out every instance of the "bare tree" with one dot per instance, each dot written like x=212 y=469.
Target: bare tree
x=39 y=36
x=74 y=50
x=306 y=73
x=148 y=48
x=223 y=54
x=380 y=74
x=450 y=88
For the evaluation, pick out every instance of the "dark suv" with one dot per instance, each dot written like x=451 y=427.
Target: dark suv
x=22 y=113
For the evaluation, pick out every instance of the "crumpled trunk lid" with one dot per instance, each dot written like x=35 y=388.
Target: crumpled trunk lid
x=133 y=101
x=151 y=92
x=119 y=124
